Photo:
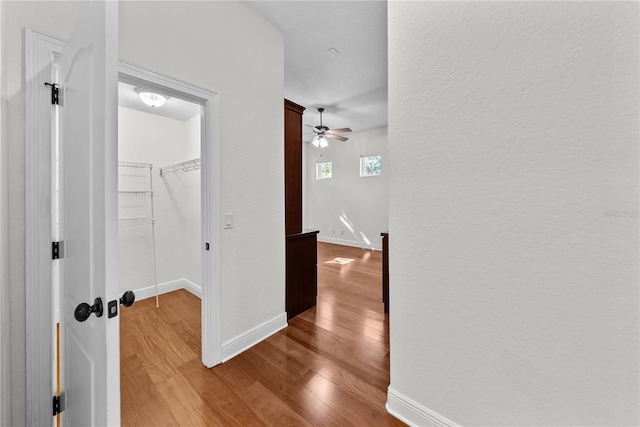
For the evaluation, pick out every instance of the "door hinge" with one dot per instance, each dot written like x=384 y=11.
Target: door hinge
x=56 y=250
x=56 y=405
x=55 y=93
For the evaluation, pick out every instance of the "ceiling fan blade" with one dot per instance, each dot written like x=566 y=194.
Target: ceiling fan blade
x=336 y=137
x=341 y=130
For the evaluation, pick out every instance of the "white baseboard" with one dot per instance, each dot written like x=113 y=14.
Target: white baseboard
x=166 y=287
x=248 y=339
x=234 y=346
x=193 y=288
x=353 y=243
x=413 y=413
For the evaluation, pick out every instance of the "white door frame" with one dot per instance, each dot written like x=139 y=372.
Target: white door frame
x=210 y=194
x=39 y=125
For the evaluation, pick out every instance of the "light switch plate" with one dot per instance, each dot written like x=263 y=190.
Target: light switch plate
x=228 y=220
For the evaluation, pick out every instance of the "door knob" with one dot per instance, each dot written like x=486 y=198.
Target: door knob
x=128 y=298
x=84 y=310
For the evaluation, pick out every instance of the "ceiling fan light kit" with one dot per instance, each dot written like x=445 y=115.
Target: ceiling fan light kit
x=323 y=132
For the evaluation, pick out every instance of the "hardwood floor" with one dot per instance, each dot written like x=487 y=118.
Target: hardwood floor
x=330 y=366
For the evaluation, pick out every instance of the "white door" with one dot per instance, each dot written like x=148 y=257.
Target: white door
x=88 y=219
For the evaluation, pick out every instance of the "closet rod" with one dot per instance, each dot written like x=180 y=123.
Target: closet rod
x=135 y=165
x=189 y=165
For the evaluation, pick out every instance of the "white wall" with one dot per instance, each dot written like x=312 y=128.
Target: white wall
x=162 y=141
x=226 y=47
x=221 y=46
x=361 y=202
x=513 y=146
x=189 y=185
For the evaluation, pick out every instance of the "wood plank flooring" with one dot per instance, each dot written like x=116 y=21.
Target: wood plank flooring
x=329 y=367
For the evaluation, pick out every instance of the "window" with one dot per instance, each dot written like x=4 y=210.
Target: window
x=370 y=165
x=324 y=170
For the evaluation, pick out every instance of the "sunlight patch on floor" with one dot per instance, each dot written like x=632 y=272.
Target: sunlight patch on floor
x=338 y=260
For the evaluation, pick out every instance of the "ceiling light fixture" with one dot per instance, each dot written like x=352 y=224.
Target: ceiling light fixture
x=151 y=99
x=320 y=141
x=323 y=132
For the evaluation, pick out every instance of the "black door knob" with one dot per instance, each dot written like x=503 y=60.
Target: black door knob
x=84 y=310
x=127 y=298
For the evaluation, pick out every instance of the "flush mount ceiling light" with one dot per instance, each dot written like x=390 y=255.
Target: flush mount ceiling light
x=150 y=98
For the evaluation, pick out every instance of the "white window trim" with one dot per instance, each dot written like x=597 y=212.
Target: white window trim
x=321 y=178
x=362 y=174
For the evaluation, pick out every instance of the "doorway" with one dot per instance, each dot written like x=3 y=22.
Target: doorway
x=159 y=243
x=159 y=195
x=179 y=164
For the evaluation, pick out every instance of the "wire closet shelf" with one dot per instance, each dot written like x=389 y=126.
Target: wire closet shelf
x=142 y=197
x=189 y=165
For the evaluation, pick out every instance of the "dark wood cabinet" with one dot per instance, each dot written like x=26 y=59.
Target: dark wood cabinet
x=302 y=272
x=293 y=167
x=301 y=247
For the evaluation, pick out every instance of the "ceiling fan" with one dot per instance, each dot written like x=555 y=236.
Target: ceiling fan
x=323 y=132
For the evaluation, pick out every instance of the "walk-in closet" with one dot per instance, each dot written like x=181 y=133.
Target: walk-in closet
x=159 y=211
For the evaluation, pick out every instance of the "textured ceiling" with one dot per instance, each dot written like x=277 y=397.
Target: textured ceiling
x=352 y=85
